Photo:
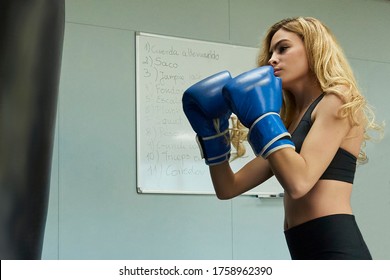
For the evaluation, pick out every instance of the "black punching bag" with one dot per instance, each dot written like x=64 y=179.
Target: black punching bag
x=31 y=39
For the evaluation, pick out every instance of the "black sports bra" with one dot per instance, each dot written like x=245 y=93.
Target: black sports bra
x=343 y=165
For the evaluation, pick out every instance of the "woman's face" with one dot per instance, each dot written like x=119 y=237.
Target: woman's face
x=289 y=59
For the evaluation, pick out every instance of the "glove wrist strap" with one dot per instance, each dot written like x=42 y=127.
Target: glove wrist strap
x=268 y=134
x=215 y=149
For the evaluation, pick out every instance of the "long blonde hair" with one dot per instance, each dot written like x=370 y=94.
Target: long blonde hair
x=331 y=68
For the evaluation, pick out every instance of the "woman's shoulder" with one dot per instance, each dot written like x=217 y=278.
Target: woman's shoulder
x=329 y=105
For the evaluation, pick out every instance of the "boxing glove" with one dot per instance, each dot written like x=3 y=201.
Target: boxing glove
x=256 y=98
x=208 y=114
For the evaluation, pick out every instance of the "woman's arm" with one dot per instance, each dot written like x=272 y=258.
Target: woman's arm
x=298 y=173
x=228 y=184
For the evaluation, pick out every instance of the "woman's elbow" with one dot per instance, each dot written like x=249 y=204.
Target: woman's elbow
x=223 y=195
x=297 y=190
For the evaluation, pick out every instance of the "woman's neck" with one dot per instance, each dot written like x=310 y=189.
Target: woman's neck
x=305 y=93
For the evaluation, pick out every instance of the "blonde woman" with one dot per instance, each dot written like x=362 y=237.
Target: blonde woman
x=312 y=147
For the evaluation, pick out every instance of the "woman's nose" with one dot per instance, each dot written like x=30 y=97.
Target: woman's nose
x=272 y=61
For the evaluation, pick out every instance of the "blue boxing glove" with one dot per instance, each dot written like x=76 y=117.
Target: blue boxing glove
x=256 y=98
x=208 y=114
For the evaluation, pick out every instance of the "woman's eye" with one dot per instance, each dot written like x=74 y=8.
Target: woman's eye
x=282 y=49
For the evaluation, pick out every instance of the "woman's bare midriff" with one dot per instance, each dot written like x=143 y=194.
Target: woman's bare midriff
x=327 y=197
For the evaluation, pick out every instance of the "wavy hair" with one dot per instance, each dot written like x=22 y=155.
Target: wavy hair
x=328 y=63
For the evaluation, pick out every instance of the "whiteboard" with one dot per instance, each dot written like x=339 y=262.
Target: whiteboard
x=168 y=157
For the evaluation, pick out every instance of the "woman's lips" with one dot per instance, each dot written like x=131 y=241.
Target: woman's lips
x=277 y=71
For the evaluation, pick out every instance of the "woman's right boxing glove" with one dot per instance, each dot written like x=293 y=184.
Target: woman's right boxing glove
x=208 y=114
